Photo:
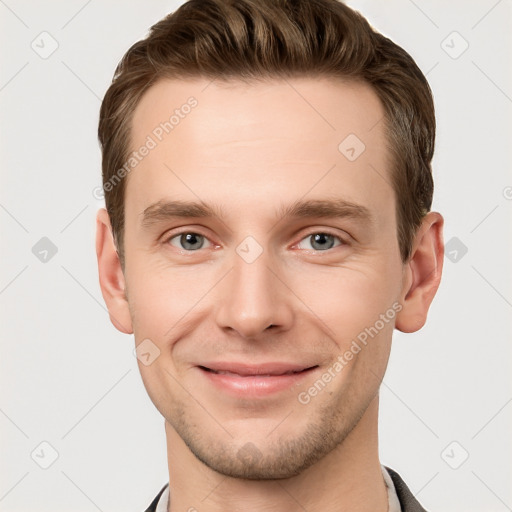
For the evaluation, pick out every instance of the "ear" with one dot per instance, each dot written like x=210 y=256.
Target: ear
x=111 y=276
x=422 y=274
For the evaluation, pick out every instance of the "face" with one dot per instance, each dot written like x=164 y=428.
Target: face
x=263 y=272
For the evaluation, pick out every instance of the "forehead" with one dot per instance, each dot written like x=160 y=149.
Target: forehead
x=323 y=105
x=258 y=142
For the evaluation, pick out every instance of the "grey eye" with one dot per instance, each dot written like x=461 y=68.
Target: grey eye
x=188 y=241
x=320 y=241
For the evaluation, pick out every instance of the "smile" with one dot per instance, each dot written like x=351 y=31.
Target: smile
x=245 y=380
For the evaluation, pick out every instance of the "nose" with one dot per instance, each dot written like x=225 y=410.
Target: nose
x=254 y=297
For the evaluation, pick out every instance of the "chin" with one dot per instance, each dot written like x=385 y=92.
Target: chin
x=243 y=466
x=261 y=459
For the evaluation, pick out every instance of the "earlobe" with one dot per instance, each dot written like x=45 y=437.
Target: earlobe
x=422 y=274
x=111 y=276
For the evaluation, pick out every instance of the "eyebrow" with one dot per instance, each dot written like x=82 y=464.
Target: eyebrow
x=165 y=210
x=325 y=208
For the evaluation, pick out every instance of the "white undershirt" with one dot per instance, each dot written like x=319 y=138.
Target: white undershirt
x=393 y=503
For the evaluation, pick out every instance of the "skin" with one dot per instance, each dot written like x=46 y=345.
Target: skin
x=250 y=149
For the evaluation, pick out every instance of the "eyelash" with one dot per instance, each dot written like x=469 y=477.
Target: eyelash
x=342 y=241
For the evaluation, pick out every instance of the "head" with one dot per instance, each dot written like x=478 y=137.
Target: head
x=304 y=140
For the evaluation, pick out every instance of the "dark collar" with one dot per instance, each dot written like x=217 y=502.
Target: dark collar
x=154 y=503
x=406 y=498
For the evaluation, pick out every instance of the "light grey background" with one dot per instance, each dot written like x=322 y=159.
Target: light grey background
x=68 y=378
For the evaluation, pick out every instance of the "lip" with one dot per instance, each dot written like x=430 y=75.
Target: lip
x=250 y=380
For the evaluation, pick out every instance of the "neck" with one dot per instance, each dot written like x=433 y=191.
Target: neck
x=348 y=478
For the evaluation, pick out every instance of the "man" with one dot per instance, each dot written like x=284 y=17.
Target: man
x=266 y=167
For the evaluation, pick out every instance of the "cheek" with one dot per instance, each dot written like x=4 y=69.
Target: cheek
x=347 y=300
x=159 y=298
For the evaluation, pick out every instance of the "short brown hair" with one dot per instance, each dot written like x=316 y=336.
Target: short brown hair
x=258 y=39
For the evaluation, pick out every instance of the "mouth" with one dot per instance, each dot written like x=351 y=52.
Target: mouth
x=249 y=380
x=255 y=373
